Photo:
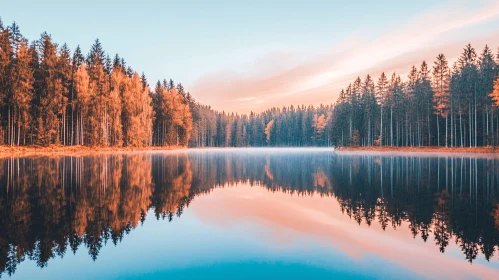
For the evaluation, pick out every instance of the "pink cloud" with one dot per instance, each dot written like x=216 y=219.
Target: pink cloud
x=285 y=78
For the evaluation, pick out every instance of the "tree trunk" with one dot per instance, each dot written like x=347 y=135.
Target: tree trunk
x=461 y=128
x=451 y=122
x=391 y=126
x=487 y=115
x=428 y=123
x=18 y=132
x=438 y=132
x=381 y=130
x=446 y=130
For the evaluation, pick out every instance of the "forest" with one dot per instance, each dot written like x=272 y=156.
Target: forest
x=50 y=95
x=436 y=105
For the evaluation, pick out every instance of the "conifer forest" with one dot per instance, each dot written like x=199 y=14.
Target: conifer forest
x=53 y=95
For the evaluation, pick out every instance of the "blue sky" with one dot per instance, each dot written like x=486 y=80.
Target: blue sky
x=208 y=45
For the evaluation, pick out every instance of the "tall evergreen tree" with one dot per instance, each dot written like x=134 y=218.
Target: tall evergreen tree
x=441 y=99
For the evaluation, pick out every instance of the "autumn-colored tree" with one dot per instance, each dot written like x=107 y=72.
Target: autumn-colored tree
x=319 y=124
x=72 y=99
x=119 y=84
x=173 y=116
x=21 y=76
x=137 y=113
x=6 y=56
x=268 y=130
x=83 y=94
x=494 y=95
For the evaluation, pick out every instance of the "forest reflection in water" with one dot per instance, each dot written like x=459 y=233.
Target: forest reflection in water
x=52 y=205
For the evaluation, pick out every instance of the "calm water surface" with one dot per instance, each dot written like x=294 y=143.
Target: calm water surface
x=249 y=213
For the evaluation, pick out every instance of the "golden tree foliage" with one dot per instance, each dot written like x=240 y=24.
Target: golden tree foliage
x=268 y=130
x=83 y=93
x=21 y=90
x=118 y=86
x=137 y=122
x=495 y=93
x=49 y=95
x=319 y=123
x=174 y=118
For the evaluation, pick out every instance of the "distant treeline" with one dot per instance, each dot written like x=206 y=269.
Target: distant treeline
x=49 y=95
x=289 y=127
x=435 y=106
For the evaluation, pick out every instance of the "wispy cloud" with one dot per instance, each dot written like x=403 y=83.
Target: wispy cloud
x=245 y=98
x=281 y=79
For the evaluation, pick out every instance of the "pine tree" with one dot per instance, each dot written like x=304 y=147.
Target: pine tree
x=98 y=118
x=22 y=79
x=441 y=80
x=51 y=90
x=487 y=73
x=468 y=91
x=370 y=107
x=64 y=68
x=15 y=37
x=381 y=96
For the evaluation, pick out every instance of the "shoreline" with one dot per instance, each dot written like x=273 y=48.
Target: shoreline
x=431 y=149
x=59 y=150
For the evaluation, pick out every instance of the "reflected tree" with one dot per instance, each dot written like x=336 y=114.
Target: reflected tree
x=54 y=204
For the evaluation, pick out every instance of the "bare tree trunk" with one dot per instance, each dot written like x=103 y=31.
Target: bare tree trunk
x=492 y=128
x=72 y=125
x=8 y=127
x=381 y=130
x=438 y=132
x=428 y=123
x=446 y=130
x=391 y=126
x=80 y=120
x=475 y=119
x=369 y=131
x=461 y=128
x=451 y=122
x=487 y=113
x=470 y=123
x=18 y=131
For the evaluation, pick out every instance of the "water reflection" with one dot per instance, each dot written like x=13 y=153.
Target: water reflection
x=52 y=205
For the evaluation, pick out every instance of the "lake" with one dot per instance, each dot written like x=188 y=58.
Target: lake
x=250 y=214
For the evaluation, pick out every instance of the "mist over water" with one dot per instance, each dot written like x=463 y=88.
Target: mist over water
x=247 y=213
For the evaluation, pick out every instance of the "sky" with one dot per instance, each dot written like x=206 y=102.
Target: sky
x=243 y=56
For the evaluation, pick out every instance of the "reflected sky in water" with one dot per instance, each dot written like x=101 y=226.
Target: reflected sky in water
x=243 y=214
